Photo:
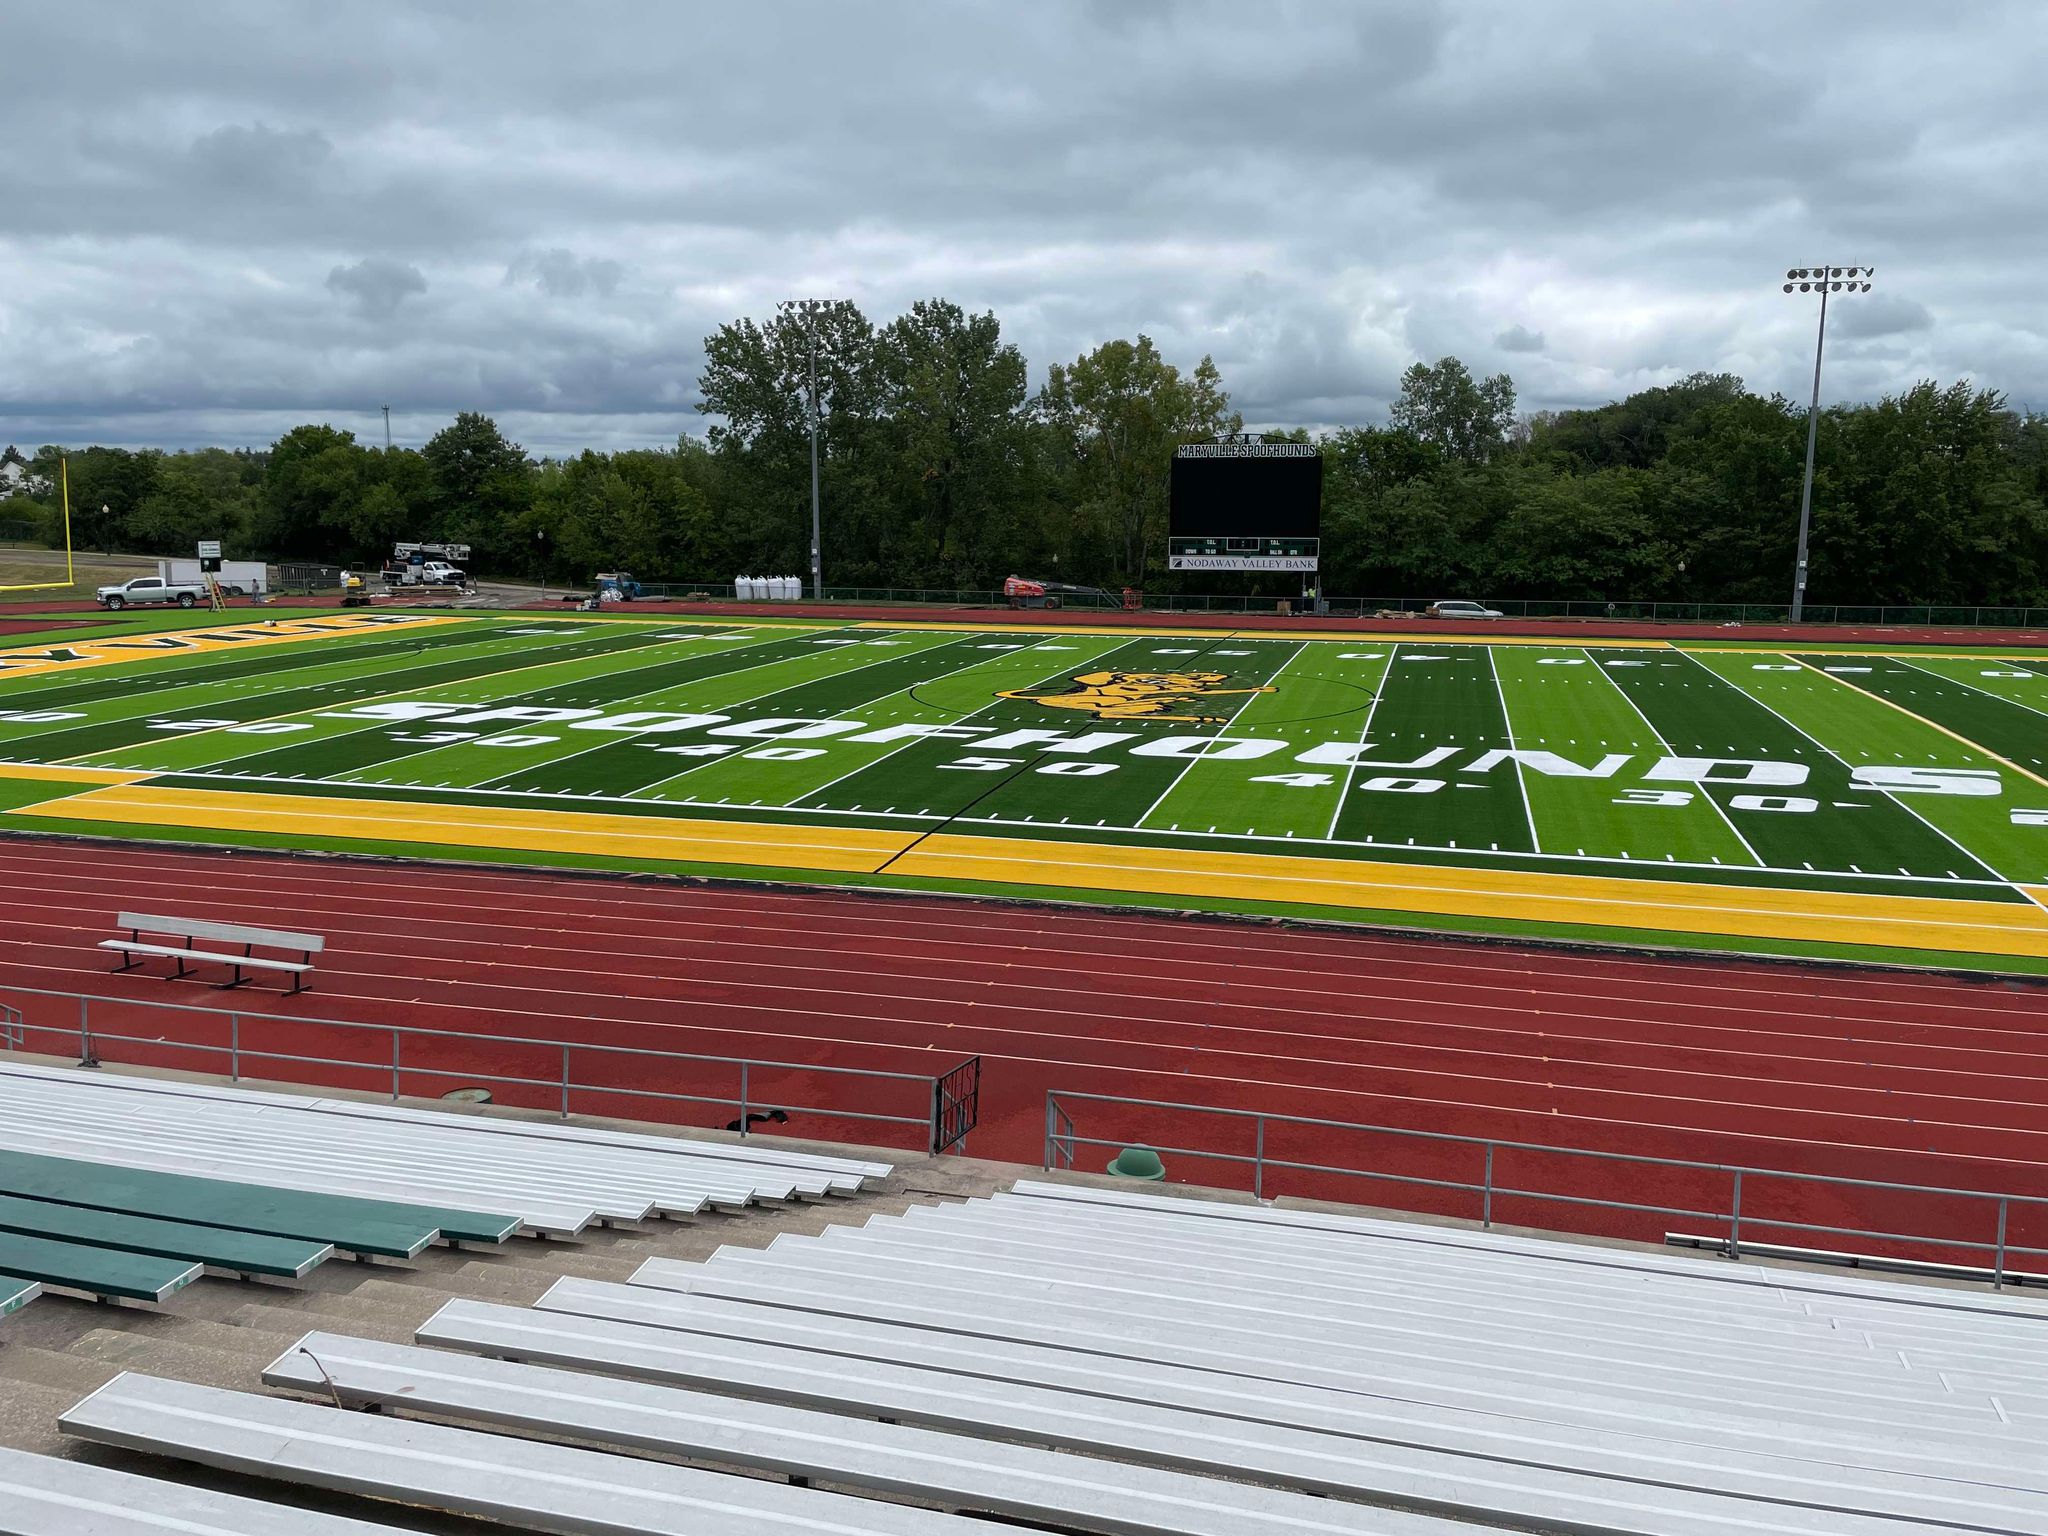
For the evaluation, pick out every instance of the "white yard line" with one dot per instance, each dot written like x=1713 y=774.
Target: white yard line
x=1115 y=645
x=1242 y=705
x=1754 y=857
x=1895 y=800
x=1988 y=693
x=1350 y=772
x=1508 y=724
x=368 y=698
x=644 y=699
x=1643 y=868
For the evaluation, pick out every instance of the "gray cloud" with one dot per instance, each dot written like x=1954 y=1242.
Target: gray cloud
x=203 y=221
x=1880 y=314
x=376 y=285
x=562 y=274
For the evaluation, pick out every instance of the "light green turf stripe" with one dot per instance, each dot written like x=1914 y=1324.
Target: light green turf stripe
x=1322 y=693
x=467 y=764
x=1563 y=701
x=222 y=749
x=1863 y=731
x=942 y=700
x=1213 y=800
x=2015 y=682
x=199 y=698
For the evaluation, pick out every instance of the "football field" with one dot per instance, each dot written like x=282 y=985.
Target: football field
x=1726 y=796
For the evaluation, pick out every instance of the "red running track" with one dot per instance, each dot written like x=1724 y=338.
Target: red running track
x=1868 y=1074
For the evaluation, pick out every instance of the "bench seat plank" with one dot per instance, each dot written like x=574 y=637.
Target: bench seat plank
x=359 y=1226
x=247 y=1253
x=52 y=1496
x=1617 y=1484
x=474 y=1211
x=226 y=933
x=101 y=1271
x=180 y=952
x=1022 y=1482
x=16 y=1293
x=520 y=1483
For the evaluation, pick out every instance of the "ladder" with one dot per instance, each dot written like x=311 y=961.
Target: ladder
x=215 y=601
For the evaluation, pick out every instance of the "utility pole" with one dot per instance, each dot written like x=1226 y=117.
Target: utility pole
x=387 y=429
x=1826 y=280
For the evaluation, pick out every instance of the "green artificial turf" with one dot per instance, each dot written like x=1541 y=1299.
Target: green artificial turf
x=1538 y=757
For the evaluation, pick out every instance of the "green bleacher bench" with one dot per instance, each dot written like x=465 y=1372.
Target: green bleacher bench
x=16 y=1293
x=99 y=1271
x=378 y=1227
x=248 y=1253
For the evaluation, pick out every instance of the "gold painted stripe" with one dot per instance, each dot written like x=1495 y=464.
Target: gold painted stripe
x=40 y=660
x=1830 y=917
x=59 y=773
x=484 y=826
x=1933 y=725
x=1835 y=917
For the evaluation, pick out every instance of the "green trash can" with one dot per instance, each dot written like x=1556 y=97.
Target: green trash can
x=1138 y=1163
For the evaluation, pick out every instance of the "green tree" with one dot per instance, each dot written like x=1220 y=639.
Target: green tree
x=312 y=488
x=758 y=378
x=1118 y=413
x=108 y=486
x=954 y=395
x=1444 y=405
x=481 y=483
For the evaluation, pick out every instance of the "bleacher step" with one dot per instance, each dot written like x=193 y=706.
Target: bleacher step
x=28 y=1418
x=280 y=1328
x=235 y=1369
x=204 y=1333
x=29 y=1365
x=547 y=1267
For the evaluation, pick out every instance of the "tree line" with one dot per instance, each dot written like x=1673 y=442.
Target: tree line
x=941 y=468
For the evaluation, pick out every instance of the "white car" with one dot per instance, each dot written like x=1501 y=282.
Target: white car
x=1459 y=609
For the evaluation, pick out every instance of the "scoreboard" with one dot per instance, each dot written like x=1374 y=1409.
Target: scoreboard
x=1245 y=505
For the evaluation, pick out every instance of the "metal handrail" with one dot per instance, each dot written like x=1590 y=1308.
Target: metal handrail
x=11 y=1034
x=91 y=1040
x=1063 y=1139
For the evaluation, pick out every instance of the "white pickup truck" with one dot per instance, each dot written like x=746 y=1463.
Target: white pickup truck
x=150 y=589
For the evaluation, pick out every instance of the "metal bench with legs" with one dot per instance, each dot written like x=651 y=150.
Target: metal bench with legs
x=133 y=949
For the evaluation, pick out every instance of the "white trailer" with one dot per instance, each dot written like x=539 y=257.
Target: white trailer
x=237 y=578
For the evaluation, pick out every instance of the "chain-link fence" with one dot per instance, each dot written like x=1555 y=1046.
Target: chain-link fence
x=1631 y=610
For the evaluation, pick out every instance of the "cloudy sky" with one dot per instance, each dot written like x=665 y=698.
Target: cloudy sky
x=219 y=220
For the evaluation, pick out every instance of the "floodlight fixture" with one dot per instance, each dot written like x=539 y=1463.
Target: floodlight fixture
x=1822 y=280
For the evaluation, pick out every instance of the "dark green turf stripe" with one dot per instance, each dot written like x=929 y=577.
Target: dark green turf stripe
x=620 y=766
x=1424 y=705
x=914 y=779
x=365 y=748
x=1700 y=715
x=85 y=740
x=2007 y=728
x=1379 y=852
x=145 y=676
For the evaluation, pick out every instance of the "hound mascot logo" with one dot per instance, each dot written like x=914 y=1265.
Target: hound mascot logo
x=1137 y=695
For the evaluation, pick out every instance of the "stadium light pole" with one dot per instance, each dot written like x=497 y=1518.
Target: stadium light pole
x=1822 y=280
x=810 y=308
x=387 y=429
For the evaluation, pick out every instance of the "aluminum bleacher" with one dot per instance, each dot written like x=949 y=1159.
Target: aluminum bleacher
x=1017 y=1481
x=48 y=1496
x=522 y=1483
x=1101 y=1361
x=556 y=1180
